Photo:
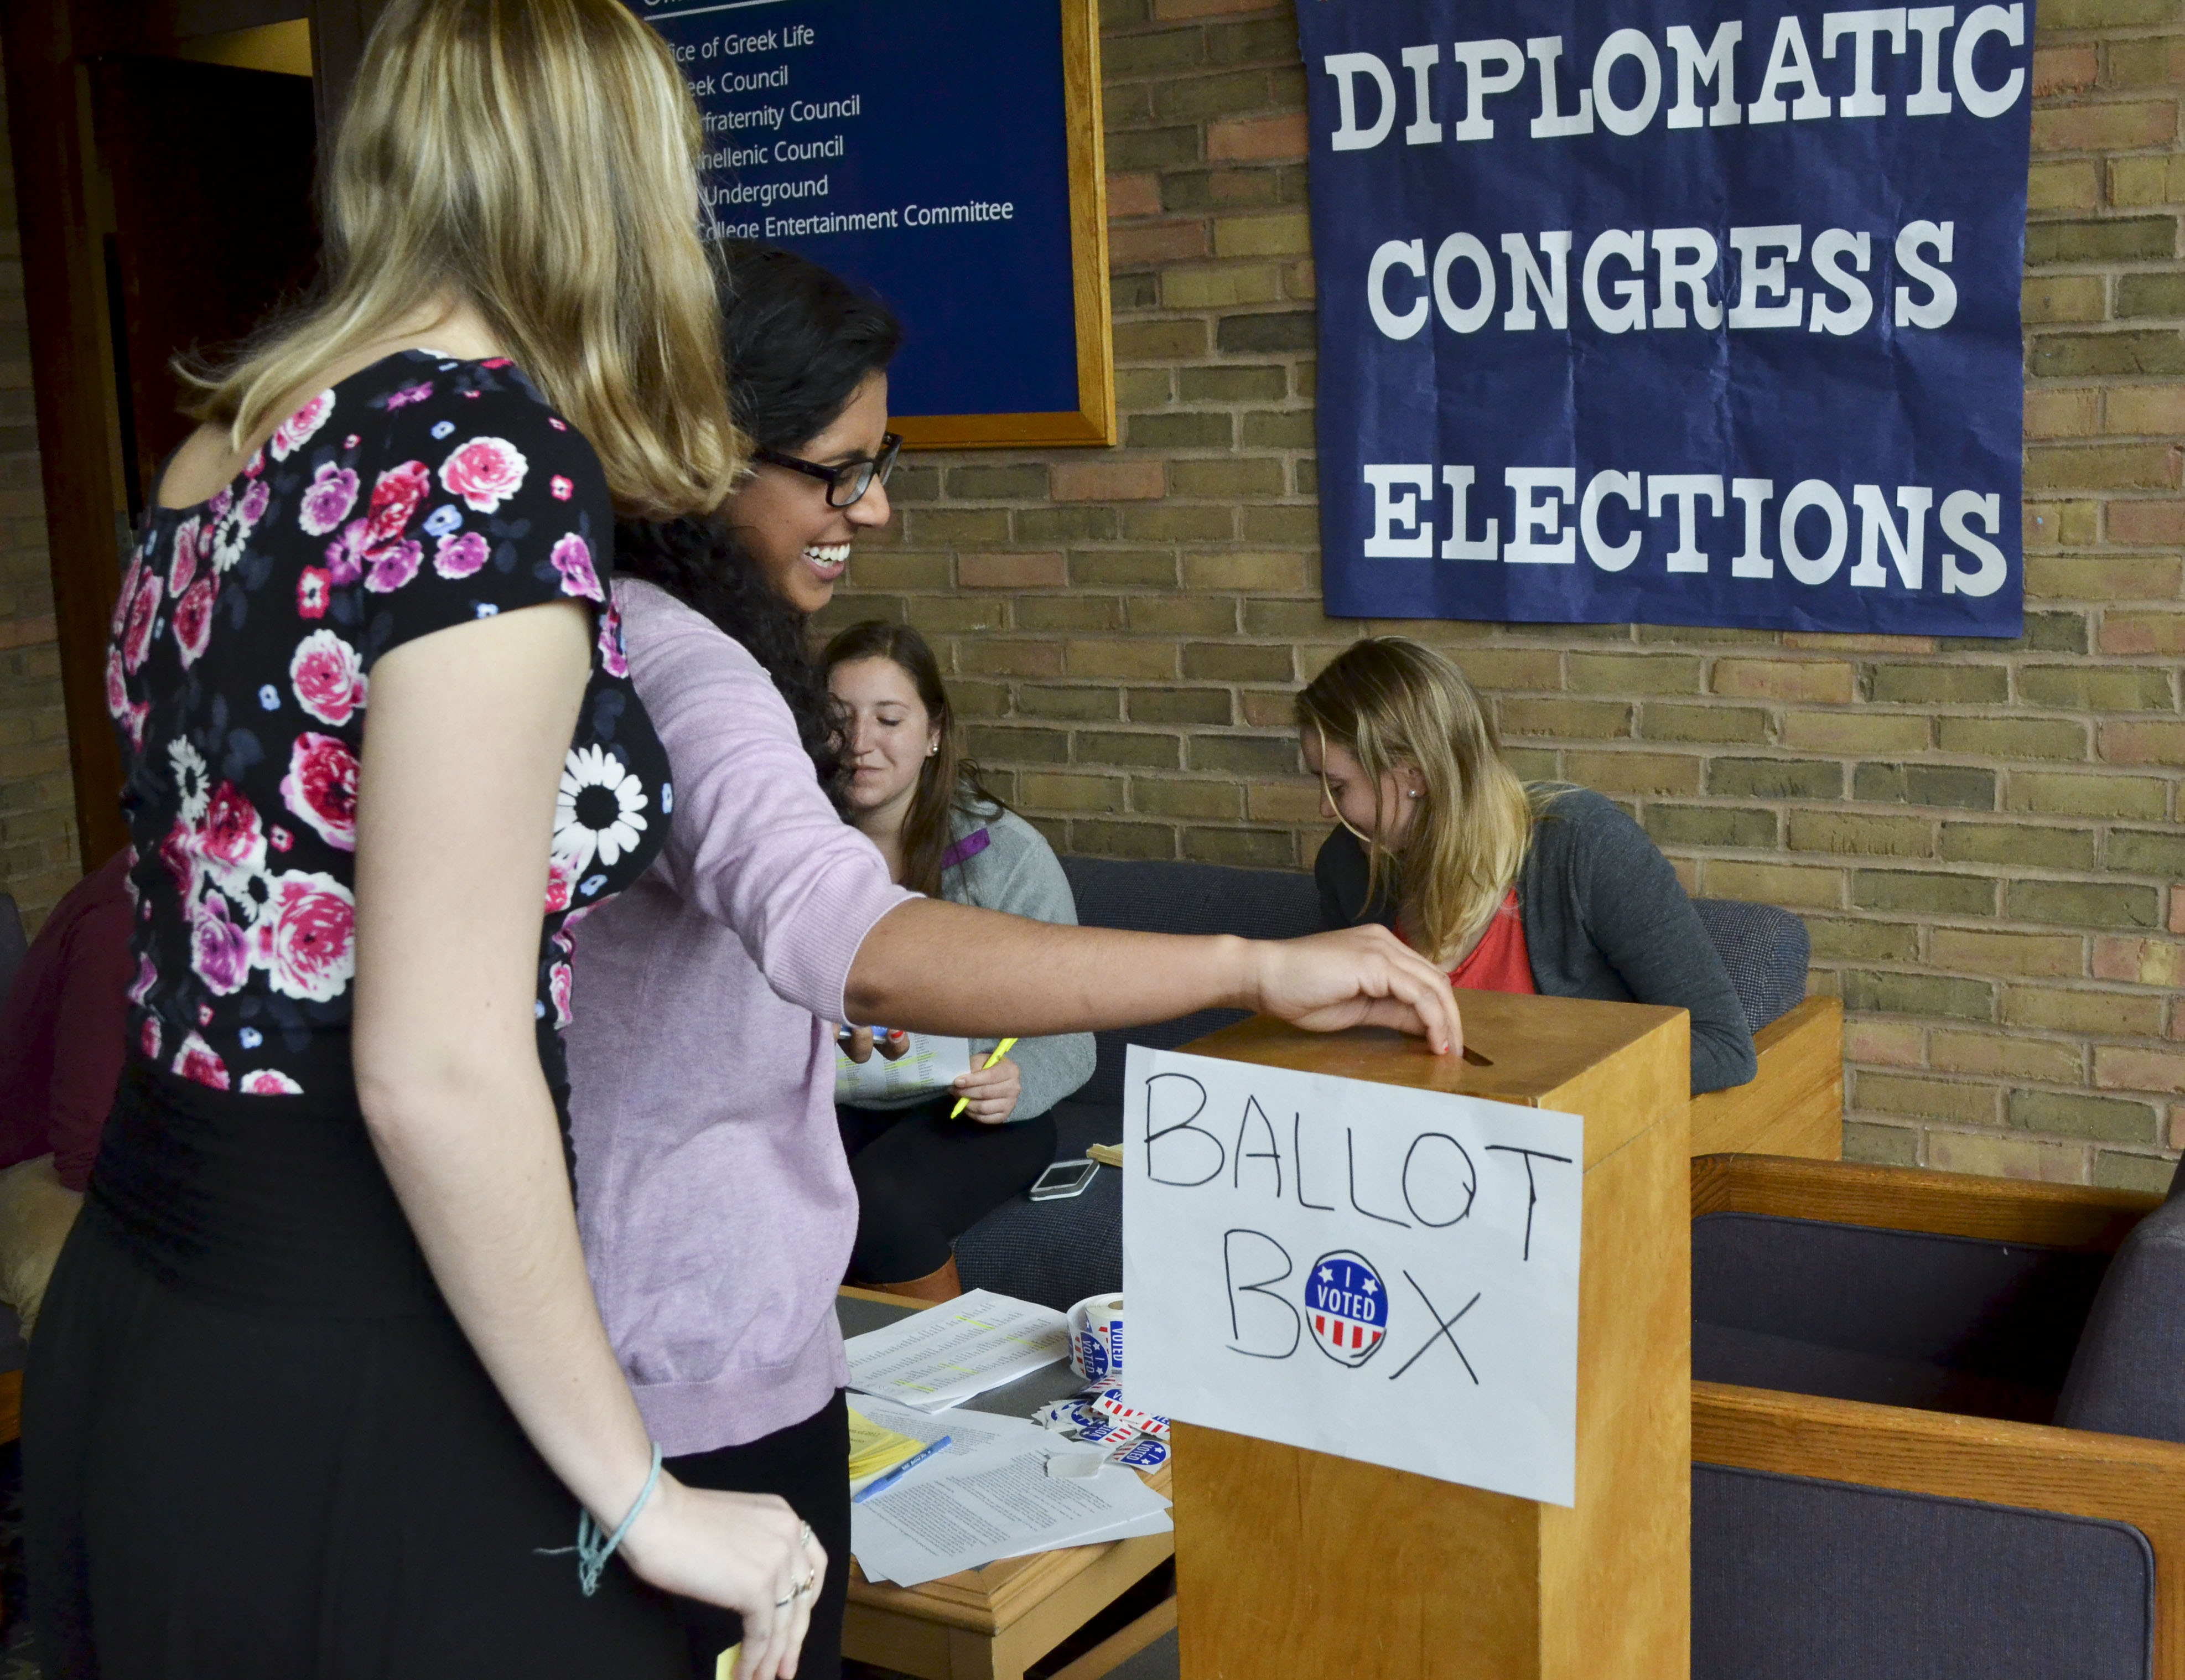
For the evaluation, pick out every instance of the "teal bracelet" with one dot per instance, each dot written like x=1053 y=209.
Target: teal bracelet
x=592 y=1548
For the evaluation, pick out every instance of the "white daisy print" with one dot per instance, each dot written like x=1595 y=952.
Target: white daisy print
x=192 y=781
x=600 y=810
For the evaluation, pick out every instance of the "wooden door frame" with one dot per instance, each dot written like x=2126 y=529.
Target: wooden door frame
x=45 y=44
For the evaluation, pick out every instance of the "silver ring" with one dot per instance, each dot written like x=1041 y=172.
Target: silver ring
x=783 y=1604
x=805 y=1538
x=805 y=1585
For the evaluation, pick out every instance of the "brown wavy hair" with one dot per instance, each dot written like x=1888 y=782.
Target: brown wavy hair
x=948 y=781
x=538 y=159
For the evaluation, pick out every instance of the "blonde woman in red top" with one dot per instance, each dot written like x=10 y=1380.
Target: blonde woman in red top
x=1510 y=887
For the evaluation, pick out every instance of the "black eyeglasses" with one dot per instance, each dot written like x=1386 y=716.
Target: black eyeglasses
x=850 y=480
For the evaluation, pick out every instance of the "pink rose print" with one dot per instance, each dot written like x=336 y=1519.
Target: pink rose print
x=560 y=883
x=614 y=656
x=297 y=430
x=178 y=853
x=328 y=677
x=404 y=398
x=562 y=488
x=394 y=566
x=306 y=937
x=224 y=540
x=346 y=555
x=204 y=1014
x=573 y=559
x=269 y=1082
x=559 y=426
x=193 y=618
x=484 y=471
x=394 y=499
x=139 y=714
x=496 y=362
x=327 y=499
x=185 y=566
x=117 y=686
x=136 y=639
x=312 y=591
x=147 y=977
x=195 y=1060
x=220 y=951
x=255 y=500
x=256 y=465
x=149 y=1039
x=321 y=787
x=459 y=556
x=558 y=983
x=127 y=598
x=230 y=838
x=280 y=839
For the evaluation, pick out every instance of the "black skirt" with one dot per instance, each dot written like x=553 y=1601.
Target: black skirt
x=255 y=1442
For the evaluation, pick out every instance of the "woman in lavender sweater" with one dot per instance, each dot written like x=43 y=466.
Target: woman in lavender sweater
x=717 y=1210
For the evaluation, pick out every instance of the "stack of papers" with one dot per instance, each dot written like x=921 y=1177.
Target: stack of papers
x=943 y=1356
x=876 y=1450
x=988 y=1496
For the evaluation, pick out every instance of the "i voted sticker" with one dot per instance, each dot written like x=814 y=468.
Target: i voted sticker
x=1348 y=1307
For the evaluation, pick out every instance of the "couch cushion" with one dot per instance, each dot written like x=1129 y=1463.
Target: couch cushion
x=1766 y=950
x=1796 y=1579
x=1182 y=898
x=1055 y=1253
x=2128 y=1376
x=1897 y=1318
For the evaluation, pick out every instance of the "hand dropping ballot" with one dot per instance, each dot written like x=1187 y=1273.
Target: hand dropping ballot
x=1360 y=1269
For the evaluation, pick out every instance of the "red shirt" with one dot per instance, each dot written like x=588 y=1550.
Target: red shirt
x=64 y=1028
x=1500 y=962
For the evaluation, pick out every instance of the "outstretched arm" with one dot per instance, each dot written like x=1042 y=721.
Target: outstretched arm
x=948 y=968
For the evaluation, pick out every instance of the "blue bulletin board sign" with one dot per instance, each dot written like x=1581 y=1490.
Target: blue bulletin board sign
x=1678 y=311
x=945 y=154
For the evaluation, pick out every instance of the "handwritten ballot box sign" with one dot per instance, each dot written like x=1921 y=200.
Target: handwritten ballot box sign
x=1682 y=314
x=942 y=154
x=1356 y=1268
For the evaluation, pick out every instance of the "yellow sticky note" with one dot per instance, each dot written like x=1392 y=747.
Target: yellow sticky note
x=725 y=1668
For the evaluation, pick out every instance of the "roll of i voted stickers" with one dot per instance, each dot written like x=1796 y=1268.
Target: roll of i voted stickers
x=1096 y=1338
x=1144 y=1454
x=1110 y=1401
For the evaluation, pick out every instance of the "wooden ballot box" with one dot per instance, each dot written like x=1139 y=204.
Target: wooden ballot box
x=1313 y=1567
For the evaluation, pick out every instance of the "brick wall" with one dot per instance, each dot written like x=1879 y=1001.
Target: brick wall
x=1980 y=835
x=38 y=800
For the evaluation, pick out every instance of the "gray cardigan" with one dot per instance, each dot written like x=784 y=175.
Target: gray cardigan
x=1605 y=916
x=1016 y=871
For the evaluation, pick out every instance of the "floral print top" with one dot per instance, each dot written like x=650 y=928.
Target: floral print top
x=417 y=494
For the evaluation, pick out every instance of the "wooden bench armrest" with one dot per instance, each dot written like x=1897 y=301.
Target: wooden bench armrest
x=1915 y=1198
x=2115 y=1478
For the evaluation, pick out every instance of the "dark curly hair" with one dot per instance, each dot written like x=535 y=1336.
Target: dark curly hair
x=700 y=563
x=799 y=341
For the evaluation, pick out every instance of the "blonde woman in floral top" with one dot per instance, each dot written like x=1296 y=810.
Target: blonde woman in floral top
x=319 y=1386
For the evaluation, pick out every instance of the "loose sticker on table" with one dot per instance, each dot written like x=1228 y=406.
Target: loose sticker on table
x=1385 y=1274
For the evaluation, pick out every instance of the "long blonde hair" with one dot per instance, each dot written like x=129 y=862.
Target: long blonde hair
x=1393 y=702
x=538 y=157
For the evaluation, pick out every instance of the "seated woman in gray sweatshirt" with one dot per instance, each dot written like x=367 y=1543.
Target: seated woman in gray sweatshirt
x=924 y=1173
x=1508 y=886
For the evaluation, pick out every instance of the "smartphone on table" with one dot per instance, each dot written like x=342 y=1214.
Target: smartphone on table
x=1063 y=1179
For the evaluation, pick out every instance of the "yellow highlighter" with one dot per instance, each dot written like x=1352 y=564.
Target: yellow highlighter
x=999 y=1050
x=725 y=1668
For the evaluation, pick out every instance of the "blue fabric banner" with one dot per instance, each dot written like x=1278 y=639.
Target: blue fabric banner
x=1678 y=311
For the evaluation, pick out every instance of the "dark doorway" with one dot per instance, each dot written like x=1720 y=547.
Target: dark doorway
x=211 y=172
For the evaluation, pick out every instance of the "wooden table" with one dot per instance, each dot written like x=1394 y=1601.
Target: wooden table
x=993 y=1623
x=1306 y=1566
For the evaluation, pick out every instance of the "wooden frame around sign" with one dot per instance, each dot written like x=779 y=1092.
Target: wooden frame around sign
x=1093 y=422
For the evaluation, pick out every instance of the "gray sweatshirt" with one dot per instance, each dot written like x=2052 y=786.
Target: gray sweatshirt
x=1604 y=915
x=1016 y=871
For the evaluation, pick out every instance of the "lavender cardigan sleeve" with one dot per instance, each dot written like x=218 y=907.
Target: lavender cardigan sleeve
x=754 y=842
